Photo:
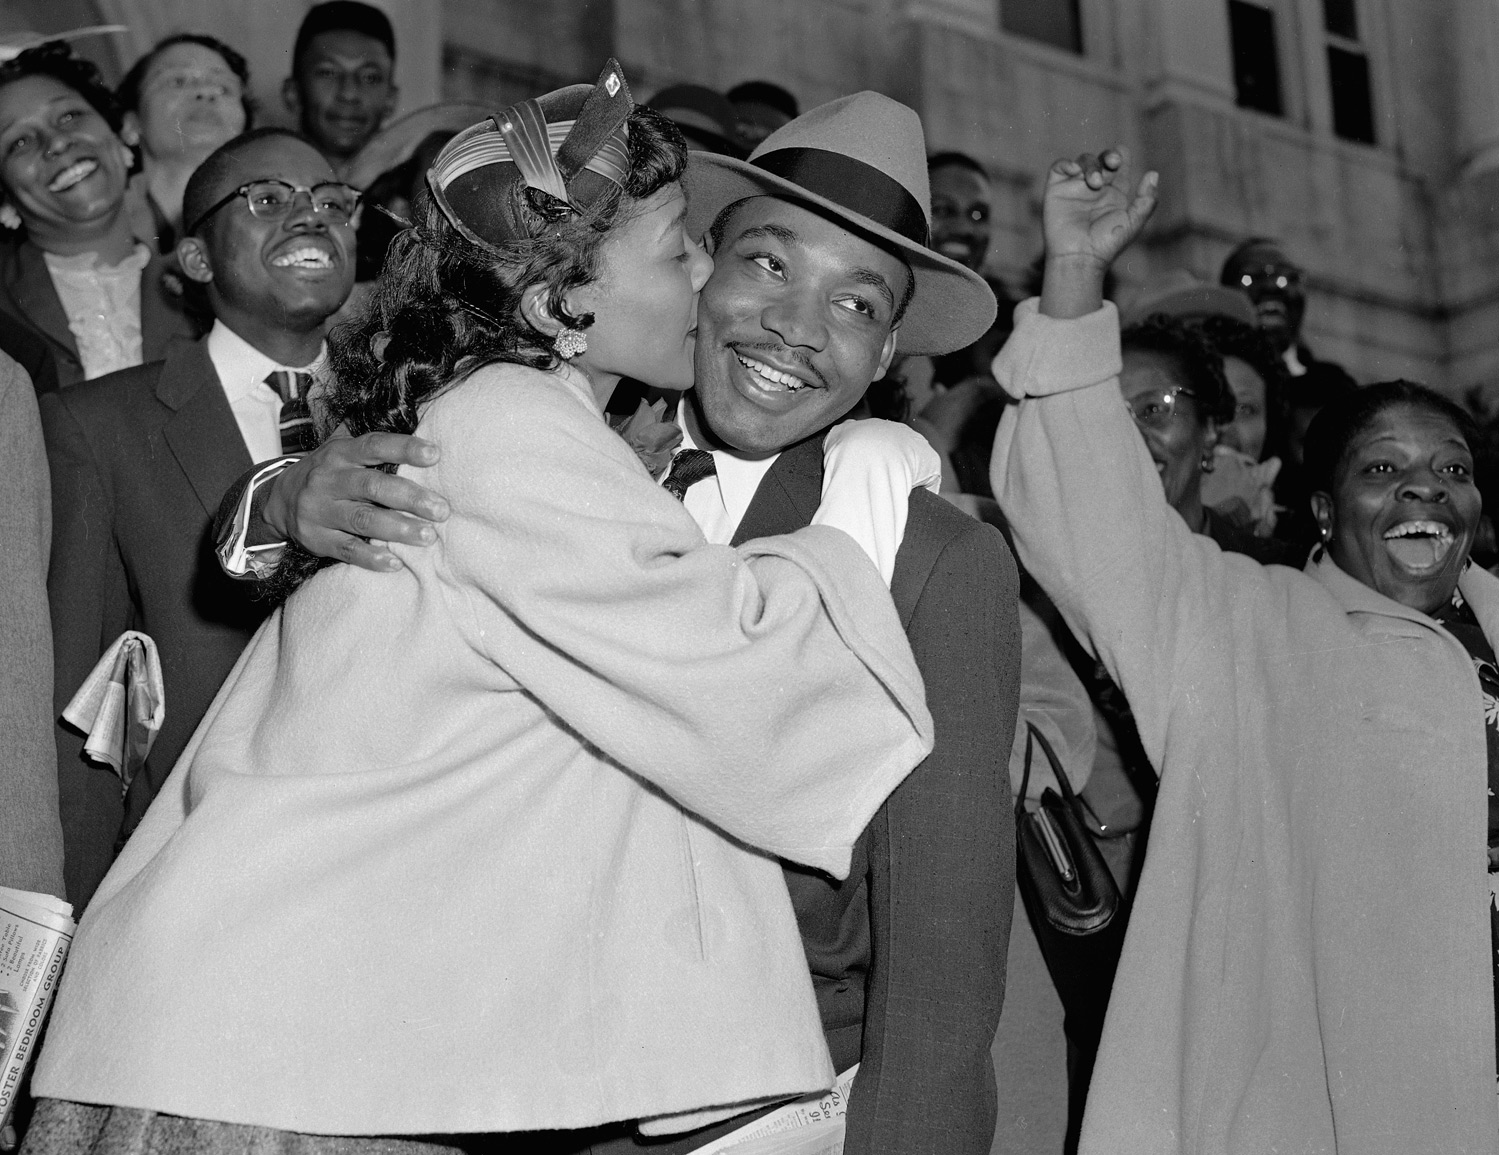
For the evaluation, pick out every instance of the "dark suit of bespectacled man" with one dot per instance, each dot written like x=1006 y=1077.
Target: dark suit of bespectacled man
x=139 y=459
x=803 y=311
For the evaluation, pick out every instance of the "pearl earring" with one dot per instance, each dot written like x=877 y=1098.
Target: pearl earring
x=569 y=343
x=9 y=217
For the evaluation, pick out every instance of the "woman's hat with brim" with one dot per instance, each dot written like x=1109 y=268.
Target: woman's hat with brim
x=1180 y=294
x=860 y=160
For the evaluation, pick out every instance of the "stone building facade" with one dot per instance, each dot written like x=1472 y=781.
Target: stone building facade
x=1399 y=236
x=1363 y=134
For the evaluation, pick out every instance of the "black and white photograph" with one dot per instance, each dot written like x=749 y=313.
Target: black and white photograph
x=778 y=577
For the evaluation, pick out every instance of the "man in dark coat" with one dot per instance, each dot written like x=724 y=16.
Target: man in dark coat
x=808 y=298
x=140 y=458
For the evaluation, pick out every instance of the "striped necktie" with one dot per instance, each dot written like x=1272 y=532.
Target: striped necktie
x=298 y=434
x=688 y=468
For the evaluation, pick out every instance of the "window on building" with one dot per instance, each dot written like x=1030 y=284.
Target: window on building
x=1348 y=72
x=1054 y=22
x=1251 y=28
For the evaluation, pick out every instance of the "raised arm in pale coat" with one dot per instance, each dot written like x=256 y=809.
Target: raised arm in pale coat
x=768 y=689
x=1090 y=518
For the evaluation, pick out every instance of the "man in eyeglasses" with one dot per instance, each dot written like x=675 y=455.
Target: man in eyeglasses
x=140 y=457
x=1277 y=286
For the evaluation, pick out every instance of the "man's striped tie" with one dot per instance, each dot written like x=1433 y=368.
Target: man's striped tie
x=298 y=434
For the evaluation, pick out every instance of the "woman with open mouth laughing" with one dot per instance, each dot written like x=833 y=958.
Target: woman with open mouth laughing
x=87 y=291
x=1310 y=964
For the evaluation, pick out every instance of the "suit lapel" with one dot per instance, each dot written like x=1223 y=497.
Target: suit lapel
x=788 y=494
x=202 y=432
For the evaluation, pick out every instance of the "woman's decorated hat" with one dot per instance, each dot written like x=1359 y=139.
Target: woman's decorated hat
x=571 y=144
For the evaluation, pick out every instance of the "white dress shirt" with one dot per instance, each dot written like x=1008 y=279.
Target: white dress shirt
x=242 y=371
x=870 y=469
x=718 y=503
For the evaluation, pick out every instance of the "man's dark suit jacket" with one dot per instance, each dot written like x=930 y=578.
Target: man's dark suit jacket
x=28 y=302
x=908 y=954
x=139 y=459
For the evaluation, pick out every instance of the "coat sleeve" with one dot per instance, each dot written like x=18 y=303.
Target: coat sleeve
x=1091 y=524
x=942 y=867
x=30 y=826
x=90 y=604
x=768 y=689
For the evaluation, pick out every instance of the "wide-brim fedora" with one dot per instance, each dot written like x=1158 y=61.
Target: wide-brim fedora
x=860 y=160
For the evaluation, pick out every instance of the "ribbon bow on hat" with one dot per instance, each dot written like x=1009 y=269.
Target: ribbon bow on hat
x=571 y=144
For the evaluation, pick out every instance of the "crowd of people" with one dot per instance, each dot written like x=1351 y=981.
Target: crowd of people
x=612 y=568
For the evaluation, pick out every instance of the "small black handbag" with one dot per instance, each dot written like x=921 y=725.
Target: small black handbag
x=1075 y=908
x=1063 y=879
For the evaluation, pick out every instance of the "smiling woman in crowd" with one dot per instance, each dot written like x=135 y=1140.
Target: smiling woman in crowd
x=1310 y=962
x=78 y=279
x=183 y=99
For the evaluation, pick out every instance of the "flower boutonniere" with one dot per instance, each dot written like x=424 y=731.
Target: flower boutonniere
x=650 y=434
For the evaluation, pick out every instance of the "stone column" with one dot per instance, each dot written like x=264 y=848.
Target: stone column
x=1189 y=53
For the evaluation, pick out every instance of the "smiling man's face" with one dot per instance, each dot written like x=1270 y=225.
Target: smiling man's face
x=342 y=91
x=793 y=326
x=292 y=273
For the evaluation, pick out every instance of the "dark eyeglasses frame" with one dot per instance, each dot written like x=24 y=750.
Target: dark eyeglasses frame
x=244 y=191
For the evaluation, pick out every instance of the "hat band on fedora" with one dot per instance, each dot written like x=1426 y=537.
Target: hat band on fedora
x=861 y=188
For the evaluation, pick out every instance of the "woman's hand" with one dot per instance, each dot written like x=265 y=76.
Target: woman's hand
x=1088 y=218
x=337 y=503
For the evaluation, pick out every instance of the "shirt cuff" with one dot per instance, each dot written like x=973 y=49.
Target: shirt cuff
x=237 y=557
x=1072 y=354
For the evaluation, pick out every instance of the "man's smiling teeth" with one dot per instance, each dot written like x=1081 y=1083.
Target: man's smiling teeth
x=772 y=379
x=308 y=257
x=71 y=175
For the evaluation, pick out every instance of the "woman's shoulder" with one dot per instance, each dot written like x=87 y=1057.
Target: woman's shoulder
x=503 y=394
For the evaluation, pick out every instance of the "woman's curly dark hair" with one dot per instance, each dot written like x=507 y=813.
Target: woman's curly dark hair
x=1233 y=338
x=1199 y=366
x=443 y=306
x=56 y=59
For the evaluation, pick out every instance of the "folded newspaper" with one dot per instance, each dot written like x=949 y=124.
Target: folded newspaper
x=35 y=933
x=121 y=705
x=813 y=1125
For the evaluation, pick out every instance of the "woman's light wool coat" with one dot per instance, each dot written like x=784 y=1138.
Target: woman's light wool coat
x=1308 y=961
x=420 y=869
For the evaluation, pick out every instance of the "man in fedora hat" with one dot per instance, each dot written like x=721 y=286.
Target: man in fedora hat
x=821 y=269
